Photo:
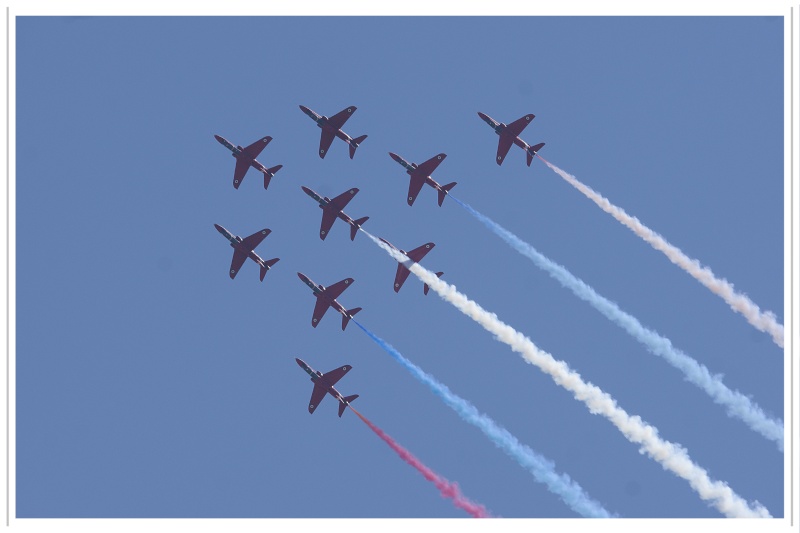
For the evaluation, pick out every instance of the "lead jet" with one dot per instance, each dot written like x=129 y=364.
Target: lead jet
x=326 y=298
x=246 y=158
x=331 y=209
x=509 y=134
x=243 y=248
x=416 y=256
x=332 y=127
x=420 y=175
x=323 y=384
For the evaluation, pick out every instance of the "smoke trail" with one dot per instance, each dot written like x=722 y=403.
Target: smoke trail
x=738 y=405
x=542 y=469
x=761 y=320
x=447 y=488
x=671 y=456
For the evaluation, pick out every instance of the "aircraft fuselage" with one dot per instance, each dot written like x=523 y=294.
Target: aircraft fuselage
x=238 y=153
x=320 y=380
x=236 y=244
x=411 y=170
x=325 y=204
x=323 y=122
x=319 y=293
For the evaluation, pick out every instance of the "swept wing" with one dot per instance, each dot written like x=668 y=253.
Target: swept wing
x=257 y=147
x=338 y=120
x=316 y=396
x=427 y=168
x=255 y=239
x=336 y=374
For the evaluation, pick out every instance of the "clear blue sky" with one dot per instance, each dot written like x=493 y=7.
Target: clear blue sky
x=151 y=385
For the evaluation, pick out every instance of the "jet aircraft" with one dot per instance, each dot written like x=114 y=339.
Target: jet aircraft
x=420 y=175
x=415 y=255
x=246 y=158
x=331 y=209
x=243 y=248
x=332 y=127
x=326 y=298
x=509 y=134
x=323 y=384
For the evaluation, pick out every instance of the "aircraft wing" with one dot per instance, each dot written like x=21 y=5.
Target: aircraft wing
x=255 y=239
x=239 y=172
x=316 y=396
x=417 y=254
x=236 y=263
x=520 y=124
x=337 y=288
x=427 y=168
x=503 y=146
x=400 y=277
x=320 y=308
x=257 y=147
x=414 y=186
x=325 y=141
x=338 y=120
x=336 y=374
x=328 y=218
x=341 y=201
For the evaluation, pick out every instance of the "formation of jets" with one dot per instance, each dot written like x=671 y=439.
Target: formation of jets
x=334 y=208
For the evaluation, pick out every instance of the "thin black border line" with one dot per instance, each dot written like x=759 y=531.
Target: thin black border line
x=791 y=262
x=8 y=266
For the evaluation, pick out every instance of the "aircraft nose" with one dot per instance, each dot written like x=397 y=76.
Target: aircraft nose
x=306 y=189
x=219 y=228
x=299 y=362
x=302 y=276
x=218 y=138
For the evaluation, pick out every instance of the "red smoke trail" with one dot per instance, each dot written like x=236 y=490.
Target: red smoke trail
x=447 y=488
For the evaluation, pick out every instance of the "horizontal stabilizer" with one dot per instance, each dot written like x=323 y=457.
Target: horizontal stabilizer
x=270 y=172
x=443 y=191
x=354 y=228
x=355 y=143
x=267 y=265
x=350 y=313
x=425 y=287
x=531 y=151
x=343 y=405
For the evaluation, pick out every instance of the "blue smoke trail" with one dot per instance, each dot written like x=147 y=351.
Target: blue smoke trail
x=738 y=405
x=542 y=469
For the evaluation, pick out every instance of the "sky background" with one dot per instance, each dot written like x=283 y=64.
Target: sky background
x=150 y=384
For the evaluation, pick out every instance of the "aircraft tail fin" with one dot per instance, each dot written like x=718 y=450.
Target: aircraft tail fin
x=343 y=405
x=270 y=172
x=350 y=313
x=267 y=265
x=425 y=287
x=443 y=191
x=354 y=228
x=355 y=144
x=531 y=151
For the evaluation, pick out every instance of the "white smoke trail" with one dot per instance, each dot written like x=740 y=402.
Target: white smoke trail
x=671 y=456
x=761 y=320
x=737 y=404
